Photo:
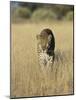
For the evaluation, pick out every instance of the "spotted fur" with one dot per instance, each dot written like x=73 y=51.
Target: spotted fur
x=45 y=47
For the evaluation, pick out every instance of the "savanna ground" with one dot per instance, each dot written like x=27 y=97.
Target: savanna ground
x=26 y=76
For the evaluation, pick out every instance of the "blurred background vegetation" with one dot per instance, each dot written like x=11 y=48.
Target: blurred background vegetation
x=35 y=12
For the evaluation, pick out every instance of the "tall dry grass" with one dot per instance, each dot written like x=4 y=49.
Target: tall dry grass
x=27 y=78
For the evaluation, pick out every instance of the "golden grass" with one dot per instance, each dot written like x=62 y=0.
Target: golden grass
x=26 y=76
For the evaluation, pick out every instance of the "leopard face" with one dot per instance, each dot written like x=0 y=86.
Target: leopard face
x=42 y=41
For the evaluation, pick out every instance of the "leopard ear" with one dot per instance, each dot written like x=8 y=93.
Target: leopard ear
x=49 y=38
